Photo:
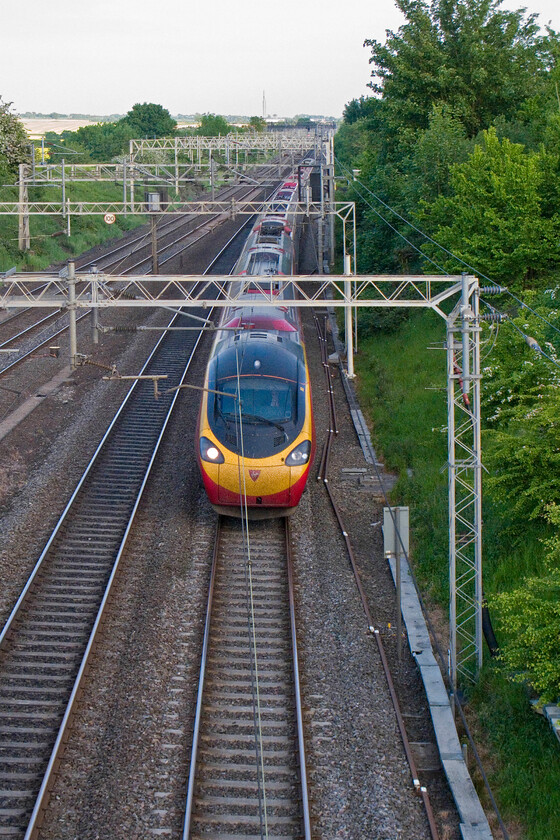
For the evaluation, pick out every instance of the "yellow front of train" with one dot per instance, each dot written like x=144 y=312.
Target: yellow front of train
x=256 y=438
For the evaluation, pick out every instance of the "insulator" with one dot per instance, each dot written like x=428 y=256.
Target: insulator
x=533 y=343
x=492 y=290
x=125 y=329
x=494 y=317
x=127 y=296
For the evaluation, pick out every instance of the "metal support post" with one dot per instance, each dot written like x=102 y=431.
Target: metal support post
x=63 y=178
x=465 y=486
x=348 y=326
x=155 y=267
x=24 y=238
x=395 y=545
x=94 y=308
x=176 y=169
x=72 y=314
x=331 y=214
x=124 y=186
x=212 y=191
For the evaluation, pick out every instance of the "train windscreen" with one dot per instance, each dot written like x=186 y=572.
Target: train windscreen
x=263 y=399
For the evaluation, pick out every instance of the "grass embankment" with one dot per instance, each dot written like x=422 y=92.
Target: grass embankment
x=402 y=388
x=49 y=241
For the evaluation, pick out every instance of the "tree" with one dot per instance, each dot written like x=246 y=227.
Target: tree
x=105 y=141
x=212 y=125
x=14 y=142
x=257 y=123
x=150 y=120
x=468 y=54
x=359 y=109
x=530 y=616
x=493 y=220
x=437 y=148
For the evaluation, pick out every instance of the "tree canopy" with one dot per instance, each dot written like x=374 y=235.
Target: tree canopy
x=14 y=142
x=468 y=54
x=212 y=125
x=150 y=120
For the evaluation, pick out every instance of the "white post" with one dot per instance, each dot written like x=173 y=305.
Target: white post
x=24 y=238
x=72 y=313
x=348 y=326
x=94 y=309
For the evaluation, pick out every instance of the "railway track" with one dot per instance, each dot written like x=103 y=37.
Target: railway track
x=46 y=642
x=247 y=771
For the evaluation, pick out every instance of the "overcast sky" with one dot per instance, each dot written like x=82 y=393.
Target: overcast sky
x=191 y=56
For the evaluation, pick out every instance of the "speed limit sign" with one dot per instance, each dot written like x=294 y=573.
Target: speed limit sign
x=109 y=218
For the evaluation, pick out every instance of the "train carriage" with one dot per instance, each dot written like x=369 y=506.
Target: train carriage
x=256 y=437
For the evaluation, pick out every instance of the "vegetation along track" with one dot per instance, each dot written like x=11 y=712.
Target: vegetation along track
x=46 y=642
x=247 y=772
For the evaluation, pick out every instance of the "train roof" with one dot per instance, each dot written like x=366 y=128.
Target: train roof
x=258 y=353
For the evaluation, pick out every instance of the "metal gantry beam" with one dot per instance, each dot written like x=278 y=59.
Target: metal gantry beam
x=233 y=207
x=95 y=289
x=266 y=143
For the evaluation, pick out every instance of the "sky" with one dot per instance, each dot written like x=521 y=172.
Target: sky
x=101 y=57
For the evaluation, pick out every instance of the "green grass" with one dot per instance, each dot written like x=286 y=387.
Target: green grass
x=402 y=385
x=402 y=389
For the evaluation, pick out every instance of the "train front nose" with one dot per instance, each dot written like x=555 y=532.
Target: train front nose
x=266 y=487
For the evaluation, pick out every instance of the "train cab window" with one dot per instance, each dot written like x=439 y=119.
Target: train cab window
x=263 y=399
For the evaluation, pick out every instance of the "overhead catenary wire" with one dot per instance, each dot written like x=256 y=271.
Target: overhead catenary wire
x=261 y=782
x=527 y=338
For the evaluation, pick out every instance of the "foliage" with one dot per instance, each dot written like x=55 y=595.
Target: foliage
x=149 y=120
x=66 y=146
x=358 y=109
x=511 y=370
x=105 y=141
x=257 y=123
x=14 y=143
x=524 y=768
x=468 y=54
x=212 y=125
x=530 y=616
x=438 y=148
x=524 y=458
x=493 y=220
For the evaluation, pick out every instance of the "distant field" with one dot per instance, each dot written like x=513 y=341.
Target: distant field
x=38 y=127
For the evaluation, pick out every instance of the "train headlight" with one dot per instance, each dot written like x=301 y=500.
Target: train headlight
x=210 y=452
x=300 y=455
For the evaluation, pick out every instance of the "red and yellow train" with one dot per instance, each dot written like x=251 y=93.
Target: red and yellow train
x=255 y=437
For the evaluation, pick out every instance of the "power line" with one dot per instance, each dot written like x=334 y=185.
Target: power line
x=529 y=340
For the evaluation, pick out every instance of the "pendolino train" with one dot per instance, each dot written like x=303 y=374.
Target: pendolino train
x=256 y=438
